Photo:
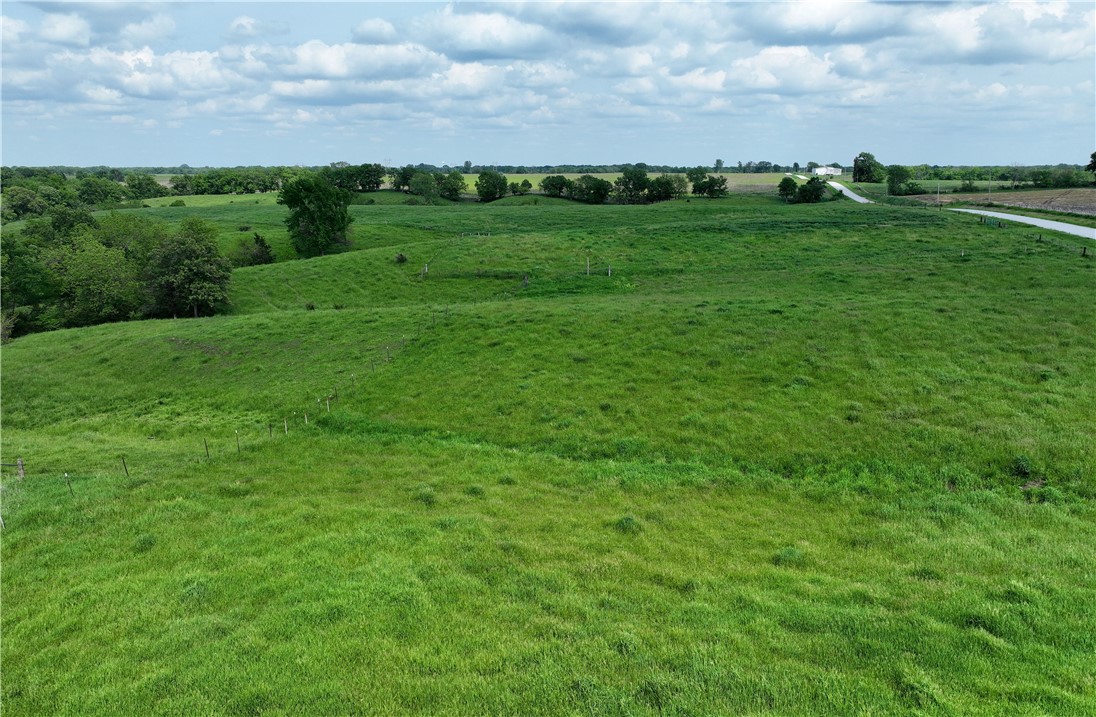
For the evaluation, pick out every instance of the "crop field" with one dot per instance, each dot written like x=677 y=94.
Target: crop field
x=700 y=457
x=1077 y=201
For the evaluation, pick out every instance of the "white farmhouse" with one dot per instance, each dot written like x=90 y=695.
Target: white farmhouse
x=836 y=171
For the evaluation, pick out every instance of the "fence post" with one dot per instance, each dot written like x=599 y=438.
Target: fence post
x=237 y=441
x=22 y=472
x=286 y=422
x=125 y=467
x=206 y=442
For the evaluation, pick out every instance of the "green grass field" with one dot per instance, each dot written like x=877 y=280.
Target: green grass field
x=785 y=460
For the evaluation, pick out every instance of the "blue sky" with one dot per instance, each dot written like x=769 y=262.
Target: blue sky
x=224 y=84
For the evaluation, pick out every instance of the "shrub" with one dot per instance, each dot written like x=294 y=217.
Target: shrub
x=178 y=203
x=309 y=306
x=401 y=259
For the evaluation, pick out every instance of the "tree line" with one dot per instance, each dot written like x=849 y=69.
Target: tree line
x=72 y=269
x=904 y=180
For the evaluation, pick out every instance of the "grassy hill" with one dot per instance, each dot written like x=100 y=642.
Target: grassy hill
x=822 y=459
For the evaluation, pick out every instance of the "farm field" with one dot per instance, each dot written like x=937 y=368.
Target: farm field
x=1080 y=202
x=780 y=460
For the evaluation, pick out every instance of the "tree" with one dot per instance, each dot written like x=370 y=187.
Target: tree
x=787 y=189
x=319 y=218
x=716 y=187
x=590 y=189
x=21 y=202
x=795 y=167
x=865 y=168
x=1091 y=167
x=718 y=166
x=425 y=186
x=660 y=189
x=900 y=181
x=97 y=283
x=491 y=185
x=556 y=185
x=680 y=184
x=187 y=273
x=451 y=186
x=811 y=191
x=697 y=176
x=144 y=186
x=370 y=177
x=99 y=192
x=467 y=166
x=401 y=178
x=520 y=189
x=253 y=252
x=631 y=185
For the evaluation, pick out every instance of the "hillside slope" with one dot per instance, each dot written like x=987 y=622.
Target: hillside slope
x=784 y=460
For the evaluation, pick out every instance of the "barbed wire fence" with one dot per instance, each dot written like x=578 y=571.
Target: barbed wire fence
x=380 y=355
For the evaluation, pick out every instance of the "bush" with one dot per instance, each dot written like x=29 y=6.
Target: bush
x=252 y=253
x=401 y=258
x=178 y=203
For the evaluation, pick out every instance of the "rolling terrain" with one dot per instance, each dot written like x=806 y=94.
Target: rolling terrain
x=757 y=459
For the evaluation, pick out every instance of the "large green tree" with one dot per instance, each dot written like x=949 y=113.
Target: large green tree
x=97 y=283
x=319 y=216
x=451 y=186
x=631 y=185
x=787 y=189
x=1092 y=165
x=491 y=185
x=424 y=185
x=187 y=273
x=865 y=168
x=591 y=189
x=556 y=185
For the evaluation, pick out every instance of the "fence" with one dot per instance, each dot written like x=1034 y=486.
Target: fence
x=383 y=354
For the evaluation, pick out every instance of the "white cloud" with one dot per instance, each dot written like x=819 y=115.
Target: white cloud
x=12 y=29
x=789 y=70
x=65 y=30
x=244 y=26
x=320 y=60
x=375 y=31
x=154 y=28
x=481 y=36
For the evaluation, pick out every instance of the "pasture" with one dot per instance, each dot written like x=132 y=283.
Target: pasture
x=782 y=460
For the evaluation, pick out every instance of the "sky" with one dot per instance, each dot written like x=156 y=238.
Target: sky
x=534 y=83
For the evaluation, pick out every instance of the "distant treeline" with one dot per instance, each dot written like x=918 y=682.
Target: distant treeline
x=31 y=191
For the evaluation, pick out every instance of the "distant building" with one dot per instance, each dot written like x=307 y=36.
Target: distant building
x=828 y=170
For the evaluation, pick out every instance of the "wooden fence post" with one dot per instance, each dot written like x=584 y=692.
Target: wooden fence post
x=206 y=442
x=22 y=472
x=237 y=441
x=125 y=467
